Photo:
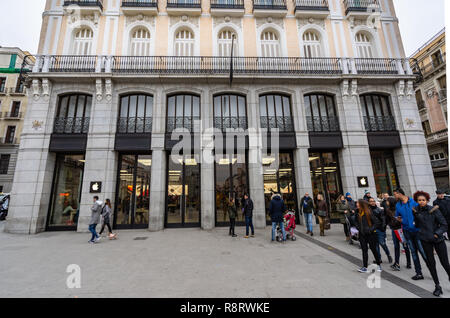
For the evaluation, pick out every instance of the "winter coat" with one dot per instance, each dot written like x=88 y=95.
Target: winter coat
x=363 y=226
x=96 y=210
x=444 y=207
x=106 y=213
x=430 y=221
x=232 y=210
x=341 y=208
x=277 y=208
x=379 y=213
x=393 y=223
x=248 y=207
x=405 y=211
x=351 y=204
x=322 y=206
x=309 y=205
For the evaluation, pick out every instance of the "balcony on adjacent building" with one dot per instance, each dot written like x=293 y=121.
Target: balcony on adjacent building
x=8 y=141
x=86 y=6
x=311 y=9
x=437 y=137
x=361 y=8
x=146 y=7
x=12 y=115
x=184 y=7
x=438 y=64
x=269 y=8
x=227 y=8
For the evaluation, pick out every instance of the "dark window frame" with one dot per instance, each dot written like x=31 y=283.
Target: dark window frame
x=65 y=118
x=146 y=112
x=230 y=116
x=184 y=117
x=4 y=163
x=287 y=127
x=328 y=108
x=373 y=121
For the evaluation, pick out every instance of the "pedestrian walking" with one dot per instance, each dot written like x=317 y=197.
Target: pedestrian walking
x=381 y=230
x=232 y=213
x=444 y=205
x=276 y=212
x=432 y=226
x=397 y=235
x=248 y=214
x=106 y=214
x=351 y=203
x=307 y=207
x=322 y=213
x=96 y=210
x=404 y=213
x=367 y=223
x=343 y=209
x=384 y=201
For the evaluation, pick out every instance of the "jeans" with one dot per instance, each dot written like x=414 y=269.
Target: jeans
x=249 y=223
x=232 y=225
x=93 y=231
x=441 y=251
x=381 y=240
x=369 y=241
x=321 y=224
x=415 y=246
x=108 y=224
x=274 y=229
x=397 y=250
x=309 y=222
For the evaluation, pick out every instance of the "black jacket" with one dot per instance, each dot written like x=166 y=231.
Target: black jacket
x=379 y=213
x=309 y=205
x=444 y=207
x=393 y=223
x=363 y=226
x=384 y=205
x=248 y=207
x=430 y=221
x=277 y=209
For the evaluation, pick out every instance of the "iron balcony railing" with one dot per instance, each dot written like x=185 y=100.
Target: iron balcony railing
x=361 y=5
x=139 y=3
x=269 y=4
x=442 y=94
x=284 y=124
x=224 y=123
x=421 y=104
x=376 y=66
x=323 y=123
x=184 y=3
x=134 y=125
x=227 y=4
x=12 y=115
x=71 y=125
x=437 y=64
x=441 y=163
x=320 y=5
x=72 y=63
x=85 y=3
x=181 y=122
x=379 y=123
x=8 y=141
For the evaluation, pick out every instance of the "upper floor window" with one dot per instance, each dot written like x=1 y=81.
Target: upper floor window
x=377 y=113
x=275 y=112
x=182 y=112
x=82 y=44
x=225 y=42
x=184 y=43
x=4 y=163
x=10 y=135
x=2 y=84
x=311 y=45
x=73 y=114
x=270 y=44
x=437 y=59
x=135 y=114
x=140 y=42
x=363 y=45
x=321 y=113
x=230 y=111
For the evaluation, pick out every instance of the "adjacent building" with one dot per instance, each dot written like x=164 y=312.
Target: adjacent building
x=429 y=63
x=323 y=88
x=13 y=105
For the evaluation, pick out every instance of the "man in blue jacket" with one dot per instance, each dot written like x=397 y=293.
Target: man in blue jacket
x=404 y=213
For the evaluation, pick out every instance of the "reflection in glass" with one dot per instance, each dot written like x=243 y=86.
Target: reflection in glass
x=384 y=172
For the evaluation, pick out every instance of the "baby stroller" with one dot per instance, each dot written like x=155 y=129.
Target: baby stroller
x=289 y=227
x=352 y=229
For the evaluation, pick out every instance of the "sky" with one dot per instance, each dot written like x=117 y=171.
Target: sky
x=419 y=21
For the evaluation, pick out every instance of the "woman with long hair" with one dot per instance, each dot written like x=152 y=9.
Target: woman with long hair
x=343 y=209
x=322 y=213
x=106 y=213
x=367 y=223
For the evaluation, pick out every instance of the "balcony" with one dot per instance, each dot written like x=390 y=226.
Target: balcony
x=71 y=63
x=86 y=6
x=362 y=9
x=184 y=7
x=437 y=137
x=16 y=91
x=230 y=123
x=71 y=125
x=269 y=8
x=9 y=141
x=145 y=7
x=436 y=164
x=232 y=8
x=442 y=95
x=187 y=123
x=311 y=9
x=12 y=115
x=379 y=123
x=377 y=66
x=323 y=123
x=134 y=125
x=421 y=105
x=432 y=68
x=284 y=124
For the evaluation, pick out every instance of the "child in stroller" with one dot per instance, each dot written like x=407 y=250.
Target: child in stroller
x=289 y=226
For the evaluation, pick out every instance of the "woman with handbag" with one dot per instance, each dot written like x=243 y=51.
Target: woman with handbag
x=322 y=213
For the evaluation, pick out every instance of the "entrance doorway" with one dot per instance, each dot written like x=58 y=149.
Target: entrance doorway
x=384 y=171
x=133 y=192
x=326 y=179
x=183 y=192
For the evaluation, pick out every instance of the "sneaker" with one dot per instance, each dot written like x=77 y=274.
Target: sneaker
x=408 y=266
x=253 y=235
x=246 y=236
x=307 y=232
x=234 y=235
x=98 y=239
x=312 y=234
x=390 y=259
x=417 y=277
x=379 y=269
x=363 y=270
x=437 y=291
x=91 y=242
x=395 y=267
x=350 y=242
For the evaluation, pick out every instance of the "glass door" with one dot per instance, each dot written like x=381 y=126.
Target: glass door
x=384 y=172
x=183 y=192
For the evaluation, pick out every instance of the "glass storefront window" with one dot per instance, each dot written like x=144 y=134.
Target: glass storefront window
x=384 y=171
x=64 y=210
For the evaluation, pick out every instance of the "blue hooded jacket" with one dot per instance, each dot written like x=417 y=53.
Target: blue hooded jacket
x=405 y=211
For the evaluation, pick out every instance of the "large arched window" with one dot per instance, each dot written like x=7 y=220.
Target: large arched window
x=73 y=114
x=135 y=114
x=182 y=111
x=140 y=42
x=270 y=44
x=82 y=43
x=312 y=46
x=224 y=42
x=377 y=113
x=230 y=111
x=364 y=45
x=275 y=112
x=184 y=43
x=321 y=113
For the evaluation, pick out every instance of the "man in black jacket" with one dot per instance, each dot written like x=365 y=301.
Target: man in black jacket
x=307 y=207
x=276 y=212
x=381 y=230
x=444 y=205
x=248 y=214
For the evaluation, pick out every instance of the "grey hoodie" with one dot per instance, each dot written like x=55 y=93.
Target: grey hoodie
x=96 y=209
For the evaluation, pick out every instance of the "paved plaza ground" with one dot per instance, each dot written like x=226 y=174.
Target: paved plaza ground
x=196 y=263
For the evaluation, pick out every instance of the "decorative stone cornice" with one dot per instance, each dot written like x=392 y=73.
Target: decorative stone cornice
x=140 y=18
x=269 y=20
x=184 y=18
x=221 y=20
x=302 y=22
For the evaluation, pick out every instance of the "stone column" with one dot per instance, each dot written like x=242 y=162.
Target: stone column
x=302 y=174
